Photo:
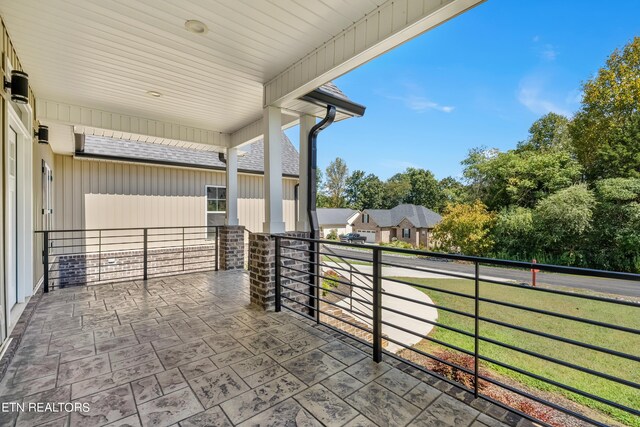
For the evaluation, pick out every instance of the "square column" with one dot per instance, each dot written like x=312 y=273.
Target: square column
x=273 y=215
x=232 y=187
x=306 y=123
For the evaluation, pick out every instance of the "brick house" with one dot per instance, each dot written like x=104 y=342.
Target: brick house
x=408 y=223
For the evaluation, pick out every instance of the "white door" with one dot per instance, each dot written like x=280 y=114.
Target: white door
x=370 y=235
x=12 y=221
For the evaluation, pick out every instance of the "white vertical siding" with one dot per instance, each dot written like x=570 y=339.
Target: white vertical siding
x=103 y=194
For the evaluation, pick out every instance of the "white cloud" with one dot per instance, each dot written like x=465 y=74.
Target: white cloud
x=549 y=52
x=531 y=94
x=421 y=104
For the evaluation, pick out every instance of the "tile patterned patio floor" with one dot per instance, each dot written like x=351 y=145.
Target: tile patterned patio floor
x=189 y=350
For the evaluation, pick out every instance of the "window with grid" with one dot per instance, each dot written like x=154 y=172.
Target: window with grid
x=406 y=233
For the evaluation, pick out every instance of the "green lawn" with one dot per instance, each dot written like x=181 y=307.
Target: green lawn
x=594 y=310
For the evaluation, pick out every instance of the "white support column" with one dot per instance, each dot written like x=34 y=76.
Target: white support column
x=232 y=187
x=306 y=123
x=274 y=219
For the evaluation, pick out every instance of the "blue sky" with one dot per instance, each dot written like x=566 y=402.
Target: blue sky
x=480 y=79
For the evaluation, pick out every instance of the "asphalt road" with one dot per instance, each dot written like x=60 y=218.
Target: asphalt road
x=617 y=287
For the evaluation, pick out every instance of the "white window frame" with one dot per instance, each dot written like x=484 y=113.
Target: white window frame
x=206 y=196
x=365 y=218
x=408 y=235
x=47 y=196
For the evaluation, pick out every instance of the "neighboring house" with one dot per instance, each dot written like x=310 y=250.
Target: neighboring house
x=339 y=219
x=408 y=223
x=115 y=183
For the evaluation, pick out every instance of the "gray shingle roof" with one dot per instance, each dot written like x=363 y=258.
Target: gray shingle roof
x=332 y=216
x=251 y=161
x=419 y=216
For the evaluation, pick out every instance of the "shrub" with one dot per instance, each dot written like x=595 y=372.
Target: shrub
x=398 y=244
x=329 y=281
x=332 y=235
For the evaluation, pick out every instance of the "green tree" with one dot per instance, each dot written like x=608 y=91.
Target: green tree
x=549 y=132
x=415 y=186
x=520 y=178
x=465 y=228
x=615 y=238
x=452 y=191
x=604 y=132
x=396 y=190
x=425 y=190
x=513 y=233
x=364 y=191
x=562 y=222
x=334 y=185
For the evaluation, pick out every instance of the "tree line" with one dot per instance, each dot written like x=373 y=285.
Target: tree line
x=568 y=194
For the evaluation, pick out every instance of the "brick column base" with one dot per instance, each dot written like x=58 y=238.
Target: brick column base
x=262 y=269
x=231 y=247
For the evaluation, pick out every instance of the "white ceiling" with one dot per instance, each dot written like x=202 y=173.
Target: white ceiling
x=107 y=54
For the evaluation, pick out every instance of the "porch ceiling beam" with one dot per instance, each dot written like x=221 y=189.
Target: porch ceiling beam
x=255 y=130
x=63 y=113
x=386 y=27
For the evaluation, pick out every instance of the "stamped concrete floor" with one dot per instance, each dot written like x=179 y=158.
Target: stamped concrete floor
x=190 y=351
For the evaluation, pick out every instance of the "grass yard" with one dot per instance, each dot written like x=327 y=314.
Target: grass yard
x=600 y=336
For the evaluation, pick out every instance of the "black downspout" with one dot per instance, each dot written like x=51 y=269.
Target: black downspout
x=296 y=201
x=312 y=168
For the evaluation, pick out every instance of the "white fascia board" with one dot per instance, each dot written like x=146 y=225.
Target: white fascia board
x=386 y=27
x=69 y=114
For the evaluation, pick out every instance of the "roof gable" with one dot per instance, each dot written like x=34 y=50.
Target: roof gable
x=419 y=216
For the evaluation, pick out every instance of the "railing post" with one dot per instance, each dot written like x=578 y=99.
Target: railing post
x=377 y=305
x=144 y=255
x=217 y=246
x=45 y=261
x=99 y=255
x=278 y=277
x=476 y=329
x=317 y=278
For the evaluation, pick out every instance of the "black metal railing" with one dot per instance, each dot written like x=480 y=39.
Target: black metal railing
x=89 y=256
x=474 y=320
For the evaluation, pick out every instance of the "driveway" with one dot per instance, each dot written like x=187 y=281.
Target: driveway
x=389 y=302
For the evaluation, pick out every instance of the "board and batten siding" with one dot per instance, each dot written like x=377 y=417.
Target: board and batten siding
x=91 y=193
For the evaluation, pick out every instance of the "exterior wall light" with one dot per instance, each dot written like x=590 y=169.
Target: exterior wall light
x=19 y=86
x=43 y=134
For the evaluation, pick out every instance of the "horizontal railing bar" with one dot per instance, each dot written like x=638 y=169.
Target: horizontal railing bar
x=404 y=282
x=323 y=265
x=488 y=261
x=323 y=289
x=560 y=385
x=431 y=322
x=562 y=316
x=538 y=400
x=320 y=299
x=560 y=362
x=565 y=293
x=469 y=276
x=431 y=356
x=428 y=338
x=325 y=277
x=561 y=339
x=323 y=312
x=298 y=312
x=440 y=307
x=78 y=230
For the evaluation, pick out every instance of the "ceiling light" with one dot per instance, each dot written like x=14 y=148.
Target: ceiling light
x=154 y=93
x=196 y=27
